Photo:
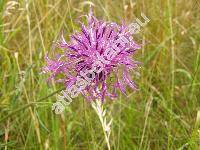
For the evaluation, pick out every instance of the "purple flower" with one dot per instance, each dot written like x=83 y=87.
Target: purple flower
x=107 y=46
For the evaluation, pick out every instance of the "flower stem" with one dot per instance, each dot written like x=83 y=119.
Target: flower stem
x=98 y=107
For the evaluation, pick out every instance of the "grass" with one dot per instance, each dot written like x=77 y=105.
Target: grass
x=162 y=115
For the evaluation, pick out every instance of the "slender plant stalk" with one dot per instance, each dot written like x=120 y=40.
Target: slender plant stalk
x=101 y=112
x=29 y=105
x=172 y=68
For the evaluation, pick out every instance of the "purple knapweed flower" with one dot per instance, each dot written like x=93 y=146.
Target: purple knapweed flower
x=92 y=45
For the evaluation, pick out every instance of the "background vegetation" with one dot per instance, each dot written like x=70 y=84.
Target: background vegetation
x=164 y=114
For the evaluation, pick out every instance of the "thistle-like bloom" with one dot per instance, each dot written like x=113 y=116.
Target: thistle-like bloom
x=89 y=46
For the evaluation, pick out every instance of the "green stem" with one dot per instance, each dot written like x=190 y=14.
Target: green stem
x=29 y=104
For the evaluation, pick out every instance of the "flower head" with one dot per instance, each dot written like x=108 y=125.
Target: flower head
x=101 y=51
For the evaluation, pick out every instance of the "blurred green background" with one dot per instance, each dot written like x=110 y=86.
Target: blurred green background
x=163 y=114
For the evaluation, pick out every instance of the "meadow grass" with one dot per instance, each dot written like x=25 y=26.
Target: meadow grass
x=161 y=115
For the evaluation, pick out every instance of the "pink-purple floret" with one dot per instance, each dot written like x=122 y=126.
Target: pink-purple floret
x=80 y=53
